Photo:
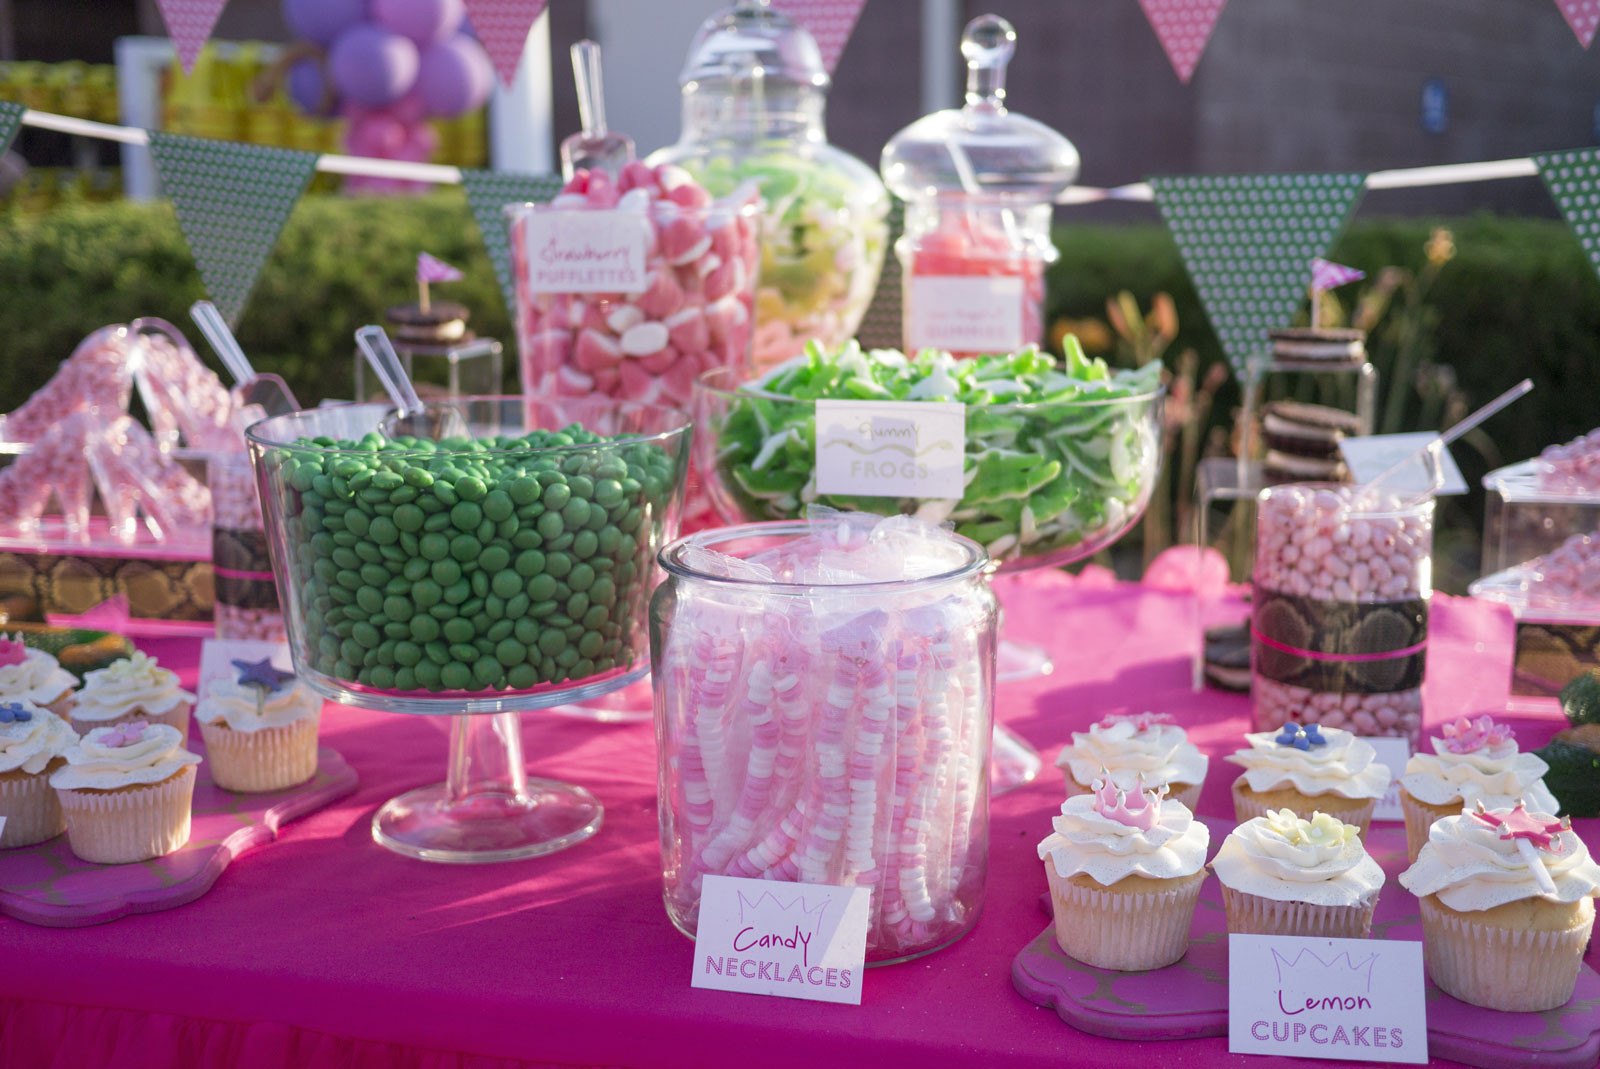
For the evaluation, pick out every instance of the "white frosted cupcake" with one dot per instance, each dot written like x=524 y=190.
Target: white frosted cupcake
x=126 y=792
x=1125 y=872
x=32 y=675
x=260 y=729
x=32 y=741
x=134 y=688
x=1310 y=769
x=1507 y=901
x=1282 y=874
x=1474 y=761
x=1140 y=752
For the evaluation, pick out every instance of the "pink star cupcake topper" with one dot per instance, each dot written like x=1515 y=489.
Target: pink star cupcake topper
x=121 y=735
x=1529 y=833
x=1111 y=802
x=1478 y=733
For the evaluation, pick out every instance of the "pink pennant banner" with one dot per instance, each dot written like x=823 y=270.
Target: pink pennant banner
x=502 y=27
x=1183 y=28
x=1583 y=16
x=432 y=269
x=829 y=21
x=1326 y=275
x=189 y=24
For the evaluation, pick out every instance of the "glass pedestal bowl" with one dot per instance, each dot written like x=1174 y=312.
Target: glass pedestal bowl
x=477 y=576
x=1048 y=484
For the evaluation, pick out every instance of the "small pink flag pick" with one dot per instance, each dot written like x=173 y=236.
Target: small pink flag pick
x=1326 y=275
x=432 y=269
x=1183 y=27
x=1583 y=16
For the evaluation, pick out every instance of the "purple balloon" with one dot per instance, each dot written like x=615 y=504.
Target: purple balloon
x=322 y=20
x=424 y=21
x=308 y=87
x=371 y=65
x=455 y=77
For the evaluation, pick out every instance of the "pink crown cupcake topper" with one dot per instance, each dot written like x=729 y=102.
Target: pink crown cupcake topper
x=1529 y=833
x=1478 y=733
x=1140 y=721
x=121 y=735
x=1111 y=802
x=12 y=651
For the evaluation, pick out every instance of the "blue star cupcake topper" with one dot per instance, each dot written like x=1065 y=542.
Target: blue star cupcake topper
x=1301 y=738
x=262 y=674
x=14 y=713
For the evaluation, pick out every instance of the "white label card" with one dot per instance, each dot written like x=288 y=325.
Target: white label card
x=585 y=252
x=1371 y=456
x=1393 y=752
x=218 y=654
x=1349 y=999
x=891 y=448
x=965 y=314
x=795 y=940
x=2 y=825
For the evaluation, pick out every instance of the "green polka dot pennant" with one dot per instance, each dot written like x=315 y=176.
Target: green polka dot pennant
x=232 y=201
x=1248 y=242
x=10 y=121
x=881 y=326
x=487 y=193
x=1574 y=181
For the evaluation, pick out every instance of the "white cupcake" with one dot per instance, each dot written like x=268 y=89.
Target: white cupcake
x=260 y=729
x=1124 y=873
x=32 y=741
x=126 y=792
x=134 y=688
x=1282 y=874
x=1141 y=752
x=1473 y=761
x=1310 y=769
x=32 y=675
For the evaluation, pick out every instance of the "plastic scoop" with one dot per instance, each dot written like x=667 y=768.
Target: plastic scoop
x=414 y=419
x=594 y=147
x=250 y=388
x=1449 y=435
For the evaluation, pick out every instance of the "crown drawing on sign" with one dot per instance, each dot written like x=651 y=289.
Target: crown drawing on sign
x=1340 y=964
x=768 y=907
x=1111 y=802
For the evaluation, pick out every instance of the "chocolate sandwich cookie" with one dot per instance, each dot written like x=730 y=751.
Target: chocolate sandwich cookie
x=1280 y=467
x=1227 y=655
x=1307 y=430
x=1321 y=345
x=444 y=323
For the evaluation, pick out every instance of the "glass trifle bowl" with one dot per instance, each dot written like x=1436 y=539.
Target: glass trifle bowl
x=1061 y=457
x=505 y=568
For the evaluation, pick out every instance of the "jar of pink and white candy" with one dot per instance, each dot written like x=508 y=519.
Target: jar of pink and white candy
x=824 y=696
x=1339 y=614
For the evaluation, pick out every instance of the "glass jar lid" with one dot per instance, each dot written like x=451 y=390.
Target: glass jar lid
x=750 y=40
x=981 y=149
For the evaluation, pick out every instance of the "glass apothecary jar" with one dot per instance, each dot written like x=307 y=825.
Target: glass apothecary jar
x=824 y=695
x=979 y=184
x=754 y=93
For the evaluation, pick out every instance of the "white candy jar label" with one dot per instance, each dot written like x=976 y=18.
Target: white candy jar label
x=586 y=252
x=965 y=314
x=891 y=448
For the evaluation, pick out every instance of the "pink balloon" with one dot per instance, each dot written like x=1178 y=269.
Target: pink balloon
x=322 y=20
x=454 y=77
x=376 y=133
x=424 y=21
x=372 y=66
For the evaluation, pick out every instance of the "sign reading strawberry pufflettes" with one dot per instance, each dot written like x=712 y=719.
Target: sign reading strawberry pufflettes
x=795 y=940
x=1348 y=999
x=586 y=252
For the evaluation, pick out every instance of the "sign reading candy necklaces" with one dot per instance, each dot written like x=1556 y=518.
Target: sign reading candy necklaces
x=965 y=314
x=891 y=448
x=1348 y=999
x=585 y=252
x=797 y=940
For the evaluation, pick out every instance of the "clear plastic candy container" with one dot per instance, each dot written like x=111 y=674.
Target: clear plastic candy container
x=978 y=184
x=824 y=700
x=754 y=92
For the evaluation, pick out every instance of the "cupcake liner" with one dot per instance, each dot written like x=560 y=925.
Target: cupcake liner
x=63 y=705
x=266 y=760
x=177 y=716
x=1357 y=811
x=1131 y=932
x=29 y=804
x=1187 y=793
x=1500 y=968
x=1420 y=818
x=129 y=823
x=1254 y=915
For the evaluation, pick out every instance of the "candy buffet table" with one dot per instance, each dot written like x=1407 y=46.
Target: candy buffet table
x=324 y=950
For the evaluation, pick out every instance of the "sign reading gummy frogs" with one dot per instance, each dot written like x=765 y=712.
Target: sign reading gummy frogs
x=891 y=448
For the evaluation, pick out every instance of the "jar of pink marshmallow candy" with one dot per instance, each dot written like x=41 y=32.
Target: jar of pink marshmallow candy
x=824 y=697
x=1339 y=608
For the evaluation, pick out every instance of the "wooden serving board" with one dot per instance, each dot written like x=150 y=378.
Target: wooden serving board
x=1190 y=999
x=46 y=884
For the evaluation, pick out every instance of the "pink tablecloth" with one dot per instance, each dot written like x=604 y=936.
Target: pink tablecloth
x=325 y=950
